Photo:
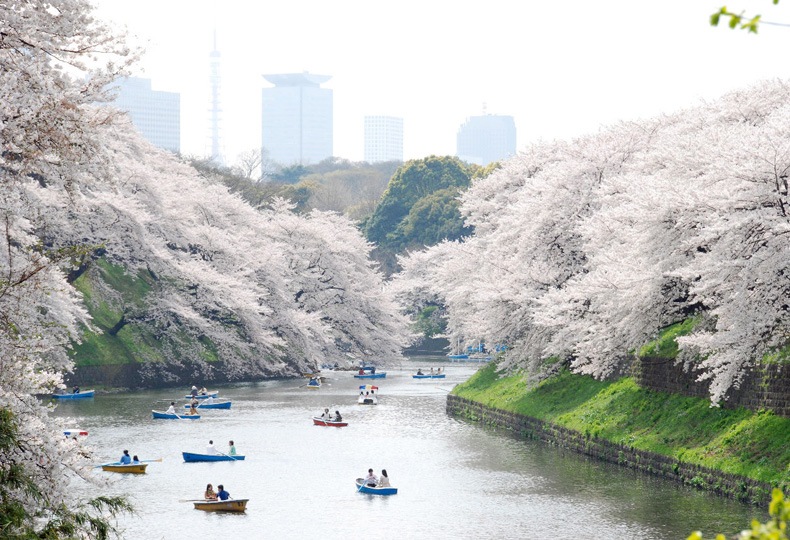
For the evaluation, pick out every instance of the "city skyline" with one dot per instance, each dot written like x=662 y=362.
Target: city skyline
x=562 y=71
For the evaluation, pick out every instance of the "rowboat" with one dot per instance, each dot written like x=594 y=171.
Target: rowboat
x=75 y=395
x=318 y=421
x=371 y=375
x=314 y=384
x=130 y=468
x=190 y=457
x=362 y=488
x=167 y=416
x=203 y=396
x=220 y=405
x=428 y=376
x=231 y=505
x=75 y=433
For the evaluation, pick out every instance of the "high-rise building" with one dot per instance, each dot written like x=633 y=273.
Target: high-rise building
x=487 y=138
x=155 y=114
x=383 y=139
x=296 y=119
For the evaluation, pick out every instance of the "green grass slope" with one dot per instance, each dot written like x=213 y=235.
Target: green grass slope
x=743 y=442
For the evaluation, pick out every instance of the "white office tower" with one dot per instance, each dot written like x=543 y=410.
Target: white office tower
x=155 y=114
x=487 y=138
x=383 y=139
x=296 y=119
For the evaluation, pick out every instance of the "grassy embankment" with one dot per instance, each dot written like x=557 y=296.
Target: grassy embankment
x=742 y=442
x=111 y=293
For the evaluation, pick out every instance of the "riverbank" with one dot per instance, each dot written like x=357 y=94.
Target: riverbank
x=737 y=453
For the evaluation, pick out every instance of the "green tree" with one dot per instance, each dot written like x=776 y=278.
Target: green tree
x=738 y=20
x=432 y=218
x=410 y=183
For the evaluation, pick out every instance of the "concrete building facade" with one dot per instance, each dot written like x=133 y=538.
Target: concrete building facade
x=487 y=138
x=156 y=114
x=296 y=119
x=383 y=139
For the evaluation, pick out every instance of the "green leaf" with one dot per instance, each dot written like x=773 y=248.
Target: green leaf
x=714 y=19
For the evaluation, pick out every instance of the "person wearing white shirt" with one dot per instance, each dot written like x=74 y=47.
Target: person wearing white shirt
x=371 y=479
x=172 y=408
x=210 y=450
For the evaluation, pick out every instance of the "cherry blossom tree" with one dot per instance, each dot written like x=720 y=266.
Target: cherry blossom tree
x=585 y=249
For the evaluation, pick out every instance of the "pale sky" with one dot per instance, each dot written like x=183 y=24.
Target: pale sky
x=560 y=68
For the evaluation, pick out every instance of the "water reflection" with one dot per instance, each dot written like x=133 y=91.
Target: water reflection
x=455 y=479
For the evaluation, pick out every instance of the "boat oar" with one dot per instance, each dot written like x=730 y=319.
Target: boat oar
x=234 y=458
x=192 y=500
x=152 y=460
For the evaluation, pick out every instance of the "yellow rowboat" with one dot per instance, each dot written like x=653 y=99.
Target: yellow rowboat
x=132 y=468
x=231 y=505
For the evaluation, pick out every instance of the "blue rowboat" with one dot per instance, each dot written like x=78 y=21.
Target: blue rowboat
x=429 y=376
x=221 y=405
x=166 y=416
x=189 y=457
x=458 y=356
x=371 y=375
x=203 y=396
x=77 y=395
x=362 y=488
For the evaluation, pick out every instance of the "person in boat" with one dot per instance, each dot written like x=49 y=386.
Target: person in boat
x=203 y=391
x=419 y=371
x=76 y=389
x=384 y=479
x=222 y=495
x=337 y=417
x=210 y=494
x=193 y=406
x=372 y=370
x=326 y=415
x=231 y=448
x=126 y=459
x=361 y=371
x=211 y=449
x=371 y=480
x=172 y=408
x=193 y=392
x=431 y=371
x=135 y=460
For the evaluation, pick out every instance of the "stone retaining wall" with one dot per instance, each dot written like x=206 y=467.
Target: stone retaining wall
x=729 y=485
x=765 y=388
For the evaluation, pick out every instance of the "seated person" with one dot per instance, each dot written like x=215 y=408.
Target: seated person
x=419 y=371
x=384 y=480
x=222 y=495
x=135 y=460
x=172 y=408
x=338 y=418
x=126 y=459
x=203 y=391
x=371 y=480
x=210 y=494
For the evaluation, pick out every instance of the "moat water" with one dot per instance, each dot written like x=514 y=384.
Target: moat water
x=454 y=479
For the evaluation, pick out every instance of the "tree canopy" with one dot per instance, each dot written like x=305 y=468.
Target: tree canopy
x=585 y=249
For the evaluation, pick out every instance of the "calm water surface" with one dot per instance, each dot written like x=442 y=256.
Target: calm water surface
x=454 y=479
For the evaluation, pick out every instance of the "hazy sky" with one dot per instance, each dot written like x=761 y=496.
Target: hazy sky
x=560 y=68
